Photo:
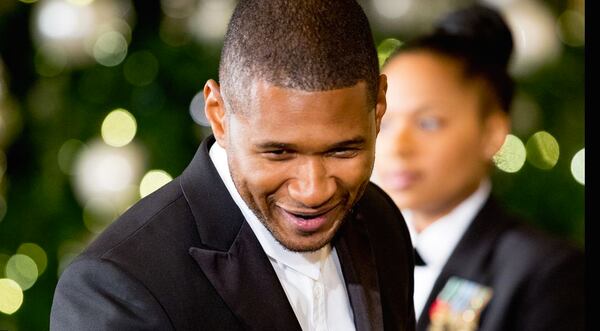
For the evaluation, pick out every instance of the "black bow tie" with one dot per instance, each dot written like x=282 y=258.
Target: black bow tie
x=418 y=259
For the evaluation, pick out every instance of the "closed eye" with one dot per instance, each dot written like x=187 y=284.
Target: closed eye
x=277 y=154
x=344 y=153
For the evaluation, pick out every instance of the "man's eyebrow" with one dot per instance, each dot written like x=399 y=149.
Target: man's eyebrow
x=274 y=145
x=280 y=145
x=356 y=141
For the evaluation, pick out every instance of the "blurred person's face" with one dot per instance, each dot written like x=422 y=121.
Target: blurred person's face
x=299 y=159
x=435 y=144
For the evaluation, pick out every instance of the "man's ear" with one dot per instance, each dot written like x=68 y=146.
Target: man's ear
x=497 y=128
x=214 y=109
x=381 y=103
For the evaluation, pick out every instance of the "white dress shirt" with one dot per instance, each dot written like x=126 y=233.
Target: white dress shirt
x=437 y=241
x=313 y=282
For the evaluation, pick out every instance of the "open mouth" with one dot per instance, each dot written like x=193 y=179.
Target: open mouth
x=308 y=222
x=307 y=216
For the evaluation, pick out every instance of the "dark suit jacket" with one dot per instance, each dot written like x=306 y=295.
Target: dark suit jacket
x=184 y=258
x=537 y=280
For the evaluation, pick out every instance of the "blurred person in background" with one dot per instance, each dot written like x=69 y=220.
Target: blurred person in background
x=274 y=224
x=477 y=267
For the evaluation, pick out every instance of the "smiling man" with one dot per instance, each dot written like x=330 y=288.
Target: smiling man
x=274 y=225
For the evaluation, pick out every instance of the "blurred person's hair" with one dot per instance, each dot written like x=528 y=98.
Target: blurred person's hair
x=310 y=45
x=480 y=40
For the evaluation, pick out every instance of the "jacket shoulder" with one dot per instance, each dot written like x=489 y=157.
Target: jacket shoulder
x=91 y=291
x=534 y=247
x=377 y=203
x=539 y=280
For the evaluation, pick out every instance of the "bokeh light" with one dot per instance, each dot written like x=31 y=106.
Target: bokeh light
x=578 y=166
x=141 y=68
x=174 y=32
x=119 y=128
x=98 y=214
x=64 y=20
x=542 y=150
x=209 y=22
x=116 y=25
x=81 y=2
x=50 y=61
x=106 y=172
x=153 y=180
x=23 y=270
x=70 y=33
x=386 y=48
x=533 y=28
x=110 y=49
x=178 y=8
x=392 y=9
x=36 y=253
x=197 y=109
x=11 y=296
x=407 y=18
x=571 y=28
x=67 y=154
x=511 y=156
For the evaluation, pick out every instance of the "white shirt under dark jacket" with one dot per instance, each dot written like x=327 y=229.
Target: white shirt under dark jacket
x=313 y=282
x=436 y=242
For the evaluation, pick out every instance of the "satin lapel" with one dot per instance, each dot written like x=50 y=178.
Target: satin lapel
x=471 y=256
x=230 y=256
x=246 y=281
x=360 y=274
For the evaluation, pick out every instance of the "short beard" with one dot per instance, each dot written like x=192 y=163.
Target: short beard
x=277 y=235
x=296 y=249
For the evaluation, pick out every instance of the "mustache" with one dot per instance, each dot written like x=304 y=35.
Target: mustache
x=300 y=208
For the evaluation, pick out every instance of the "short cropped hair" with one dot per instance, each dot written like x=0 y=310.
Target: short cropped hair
x=310 y=45
x=479 y=38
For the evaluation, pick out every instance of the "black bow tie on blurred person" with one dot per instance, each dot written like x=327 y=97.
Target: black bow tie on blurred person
x=418 y=259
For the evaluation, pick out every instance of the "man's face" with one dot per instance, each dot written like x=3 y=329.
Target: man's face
x=300 y=160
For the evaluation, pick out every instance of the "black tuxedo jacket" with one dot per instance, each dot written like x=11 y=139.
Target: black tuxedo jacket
x=184 y=258
x=537 y=281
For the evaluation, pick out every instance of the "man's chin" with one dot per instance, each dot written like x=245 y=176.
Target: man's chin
x=301 y=246
x=295 y=237
x=298 y=241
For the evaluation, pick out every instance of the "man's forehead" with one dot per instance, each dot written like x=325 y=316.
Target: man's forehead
x=287 y=116
x=259 y=85
x=262 y=93
x=264 y=101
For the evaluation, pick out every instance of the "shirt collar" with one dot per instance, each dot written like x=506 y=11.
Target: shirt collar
x=436 y=242
x=307 y=263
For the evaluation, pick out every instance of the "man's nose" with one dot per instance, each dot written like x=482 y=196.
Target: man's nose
x=312 y=185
